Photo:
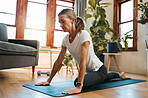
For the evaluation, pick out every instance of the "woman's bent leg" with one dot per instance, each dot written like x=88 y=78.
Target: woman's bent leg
x=92 y=78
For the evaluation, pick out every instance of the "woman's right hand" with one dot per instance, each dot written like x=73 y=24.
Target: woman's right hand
x=42 y=84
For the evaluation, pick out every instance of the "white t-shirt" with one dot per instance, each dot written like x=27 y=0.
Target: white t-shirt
x=93 y=63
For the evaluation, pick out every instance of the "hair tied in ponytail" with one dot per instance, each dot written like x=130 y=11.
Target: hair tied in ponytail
x=79 y=24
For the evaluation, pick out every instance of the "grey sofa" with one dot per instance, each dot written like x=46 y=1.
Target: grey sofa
x=15 y=53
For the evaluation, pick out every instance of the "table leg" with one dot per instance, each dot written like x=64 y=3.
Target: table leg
x=51 y=59
x=116 y=63
x=110 y=57
x=72 y=69
x=77 y=67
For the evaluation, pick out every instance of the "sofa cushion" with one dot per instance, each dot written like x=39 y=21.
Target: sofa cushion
x=3 y=32
x=7 y=48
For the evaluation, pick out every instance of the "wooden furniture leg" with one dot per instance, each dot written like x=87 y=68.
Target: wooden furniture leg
x=33 y=69
x=72 y=69
x=78 y=68
x=66 y=69
x=110 y=57
x=116 y=63
x=51 y=59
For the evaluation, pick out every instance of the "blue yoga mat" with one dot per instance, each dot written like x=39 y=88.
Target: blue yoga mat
x=56 y=88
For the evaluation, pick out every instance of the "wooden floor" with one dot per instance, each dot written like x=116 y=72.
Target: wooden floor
x=11 y=82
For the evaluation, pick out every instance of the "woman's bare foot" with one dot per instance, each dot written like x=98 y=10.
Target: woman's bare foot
x=122 y=75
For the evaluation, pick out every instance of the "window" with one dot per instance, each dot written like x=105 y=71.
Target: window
x=11 y=32
x=8 y=11
x=60 y=6
x=58 y=33
x=36 y=15
x=125 y=20
x=8 y=16
x=36 y=21
x=58 y=37
x=36 y=35
x=32 y=20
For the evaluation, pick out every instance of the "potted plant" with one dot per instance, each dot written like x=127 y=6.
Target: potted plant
x=114 y=45
x=69 y=62
x=124 y=39
x=99 y=26
x=143 y=8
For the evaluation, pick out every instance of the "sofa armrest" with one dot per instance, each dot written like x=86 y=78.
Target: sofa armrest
x=32 y=43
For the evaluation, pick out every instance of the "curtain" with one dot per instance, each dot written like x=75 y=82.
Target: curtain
x=79 y=7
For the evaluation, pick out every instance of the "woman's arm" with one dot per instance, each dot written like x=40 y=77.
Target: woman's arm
x=56 y=66
x=83 y=60
x=82 y=65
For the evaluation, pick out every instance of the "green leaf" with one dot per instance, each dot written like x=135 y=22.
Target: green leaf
x=135 y=8
x=98 y=17
x=126 y=45
x=138 y=4
x=95 y=29
x=87 y=16
x=91 y=30
x=105 y=4
x=102 y=11
x=129 y=37
x=119 y=45
x=92 y=3
x=128 y=32
x=94 y=14
x=141 y=1
x=94 y=23
x=90 y=8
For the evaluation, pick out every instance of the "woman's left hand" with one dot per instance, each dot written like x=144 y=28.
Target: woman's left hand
x=72 y=91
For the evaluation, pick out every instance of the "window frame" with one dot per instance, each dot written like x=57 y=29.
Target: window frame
x=21 y=13
x=26 y=15
x=70 y=1
x=7 y=13
x=117 y=19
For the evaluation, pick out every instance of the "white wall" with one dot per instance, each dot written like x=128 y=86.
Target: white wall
x=133 y=61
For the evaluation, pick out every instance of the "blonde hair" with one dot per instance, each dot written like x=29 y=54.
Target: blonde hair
x=79 y=22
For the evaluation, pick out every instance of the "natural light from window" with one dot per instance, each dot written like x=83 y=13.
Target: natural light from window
x=36 y=21
x=8 y=11
x=36 y=16
x=36 y=35
x=58 y=38
x=127 y=11
x=124 y=29
x=11 y=32
x=39 y=1
x=127 y=20
x=59 y=35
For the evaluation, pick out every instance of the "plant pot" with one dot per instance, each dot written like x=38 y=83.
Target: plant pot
x=112 y=47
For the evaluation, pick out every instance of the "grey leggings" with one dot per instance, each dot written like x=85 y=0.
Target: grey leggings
x=92 y=78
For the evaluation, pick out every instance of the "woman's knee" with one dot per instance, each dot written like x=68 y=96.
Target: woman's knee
x=103 y=70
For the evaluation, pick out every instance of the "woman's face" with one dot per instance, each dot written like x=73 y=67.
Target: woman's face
x=65 y=23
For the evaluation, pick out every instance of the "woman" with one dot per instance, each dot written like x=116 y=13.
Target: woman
x=79 y=44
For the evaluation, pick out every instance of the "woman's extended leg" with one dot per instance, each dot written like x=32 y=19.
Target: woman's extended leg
x=113 y=75
x=92 y=78
x=122 y=75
